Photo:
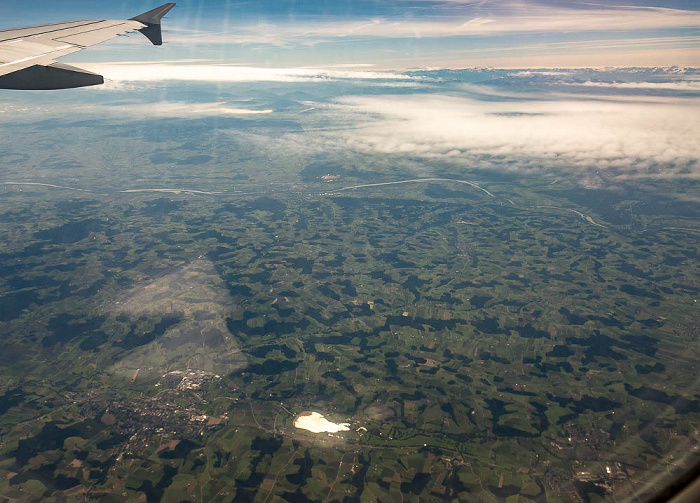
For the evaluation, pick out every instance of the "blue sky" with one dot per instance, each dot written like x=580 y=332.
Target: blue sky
x=399 y=34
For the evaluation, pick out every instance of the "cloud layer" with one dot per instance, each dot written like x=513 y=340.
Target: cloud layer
x=184 y=109
x=651 y=138
x=155 y=72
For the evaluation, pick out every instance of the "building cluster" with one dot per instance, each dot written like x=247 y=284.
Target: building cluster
x=187 y=380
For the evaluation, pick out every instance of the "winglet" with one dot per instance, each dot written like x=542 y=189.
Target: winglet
x=152 y=21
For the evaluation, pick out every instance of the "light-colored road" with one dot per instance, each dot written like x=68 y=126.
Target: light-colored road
x=47 y=185
x=472 y=184
x=417 y=180
x=173 y=191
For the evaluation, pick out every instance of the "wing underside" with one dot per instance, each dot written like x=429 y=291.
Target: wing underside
x=27 y=55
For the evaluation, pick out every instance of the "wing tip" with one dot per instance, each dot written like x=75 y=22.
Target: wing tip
x=151 y=19
x=153 y=16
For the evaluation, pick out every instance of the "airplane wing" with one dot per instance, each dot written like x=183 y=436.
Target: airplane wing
x=27 y=54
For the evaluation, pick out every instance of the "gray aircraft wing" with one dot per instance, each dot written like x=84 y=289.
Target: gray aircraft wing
x=27 y=55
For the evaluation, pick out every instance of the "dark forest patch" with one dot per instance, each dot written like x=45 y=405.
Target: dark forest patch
x=195 y=160
x=71 y=232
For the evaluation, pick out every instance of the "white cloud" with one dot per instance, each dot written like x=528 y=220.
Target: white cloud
x=683 y=85
x=155 y=72
x=614 y=138
x=182 y=109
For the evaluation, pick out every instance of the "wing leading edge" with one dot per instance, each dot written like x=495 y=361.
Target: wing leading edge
x=27 y=54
